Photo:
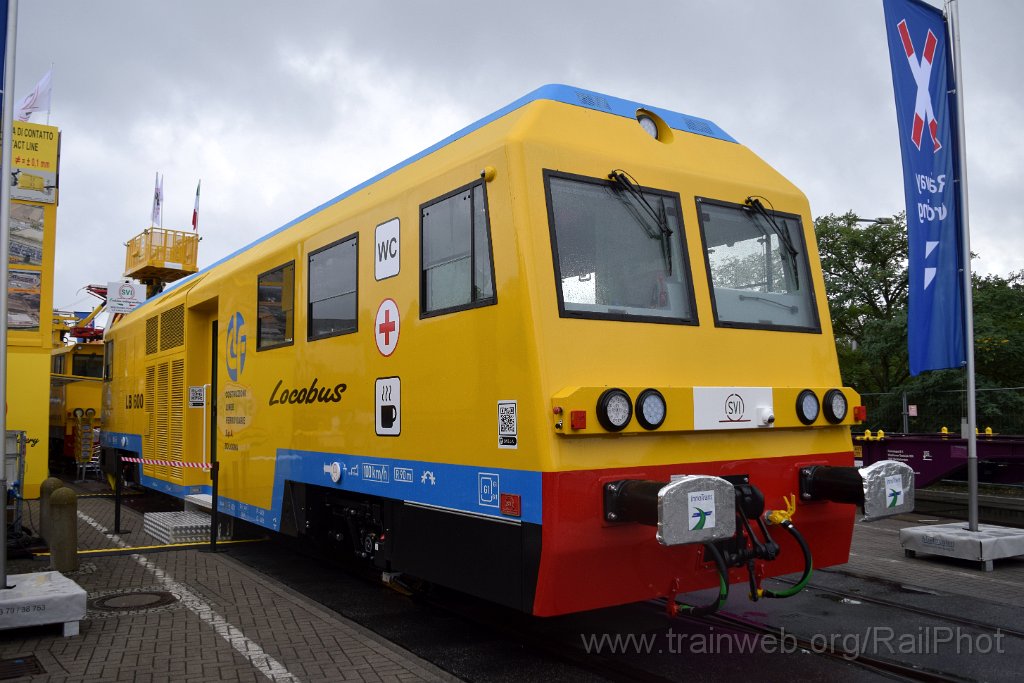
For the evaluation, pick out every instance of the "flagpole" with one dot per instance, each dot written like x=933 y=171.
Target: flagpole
x=5 y=233
x=953 y=16
x=49 y=102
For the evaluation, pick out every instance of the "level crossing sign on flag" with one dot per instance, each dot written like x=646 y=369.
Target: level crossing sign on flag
x=923 y=81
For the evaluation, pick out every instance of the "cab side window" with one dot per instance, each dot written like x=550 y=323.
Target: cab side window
x=456 y=264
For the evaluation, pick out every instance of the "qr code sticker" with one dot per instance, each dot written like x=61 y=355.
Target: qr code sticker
x=508 y=426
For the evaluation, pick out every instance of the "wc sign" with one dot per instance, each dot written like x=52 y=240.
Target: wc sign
x=386 y=250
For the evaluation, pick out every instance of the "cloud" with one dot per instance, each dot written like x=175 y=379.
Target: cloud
x=281 y=106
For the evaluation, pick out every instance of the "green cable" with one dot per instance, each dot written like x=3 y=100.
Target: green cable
x=808 y=566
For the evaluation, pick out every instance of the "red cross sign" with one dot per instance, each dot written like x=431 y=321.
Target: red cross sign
x=386 y=327
x=922 y=70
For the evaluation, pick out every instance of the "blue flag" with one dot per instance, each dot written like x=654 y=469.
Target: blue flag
x=922 y=78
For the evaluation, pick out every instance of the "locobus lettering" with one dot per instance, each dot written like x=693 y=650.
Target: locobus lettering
x=307 y=395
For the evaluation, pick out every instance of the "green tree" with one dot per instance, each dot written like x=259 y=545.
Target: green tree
x=865 y=272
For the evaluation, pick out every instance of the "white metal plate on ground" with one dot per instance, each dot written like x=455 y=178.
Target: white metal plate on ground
x=179 y=527
x=988 y=543
x=42 y=598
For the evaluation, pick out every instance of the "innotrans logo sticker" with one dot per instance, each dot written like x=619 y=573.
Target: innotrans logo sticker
x=235 y=356
x=894 y=490
x=700 y=510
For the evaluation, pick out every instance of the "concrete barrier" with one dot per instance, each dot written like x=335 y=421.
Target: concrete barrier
x=63 y=530
x=45 y=490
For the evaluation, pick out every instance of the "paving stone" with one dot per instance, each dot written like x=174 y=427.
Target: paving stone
x=231 y=624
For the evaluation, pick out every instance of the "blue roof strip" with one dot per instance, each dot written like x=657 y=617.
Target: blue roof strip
x=554 y=92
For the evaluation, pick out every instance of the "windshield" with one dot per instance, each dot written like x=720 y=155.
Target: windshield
x=614 y=258
x=757 y=266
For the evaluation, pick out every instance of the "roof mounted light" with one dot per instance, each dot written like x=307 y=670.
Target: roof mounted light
x=614 y=410
x=835 y=406
x=649 y=125
x=807 y=407
x=654 y=125
x=650 y=409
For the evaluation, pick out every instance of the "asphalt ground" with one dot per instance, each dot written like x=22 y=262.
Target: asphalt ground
x=882 y=616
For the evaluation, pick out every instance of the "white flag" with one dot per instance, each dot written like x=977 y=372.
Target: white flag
x=37 y=100
x=158 y=201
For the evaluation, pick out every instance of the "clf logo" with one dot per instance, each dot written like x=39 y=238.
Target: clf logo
x=235 y=357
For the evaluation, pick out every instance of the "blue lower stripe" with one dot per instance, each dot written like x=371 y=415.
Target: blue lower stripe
x=464 y=488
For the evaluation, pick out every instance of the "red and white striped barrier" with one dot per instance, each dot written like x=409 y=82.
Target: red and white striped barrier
x=168 y=463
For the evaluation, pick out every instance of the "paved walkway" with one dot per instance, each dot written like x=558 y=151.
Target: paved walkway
x=227 y=624
x=877 y=552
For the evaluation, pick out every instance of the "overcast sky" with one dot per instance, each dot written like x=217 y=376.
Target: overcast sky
x=279 y=106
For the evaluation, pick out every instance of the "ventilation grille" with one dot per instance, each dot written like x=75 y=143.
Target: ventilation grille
x=148 y=442
x=593 y=101
x=172 y=328
x=162 y=432
x=176 y=436
x=152 y=334
x=165 y=411
x=698 y=126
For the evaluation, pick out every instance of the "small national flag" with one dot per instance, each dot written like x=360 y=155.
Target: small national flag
x=195 y=211
x=158 y=201
x=37 y=100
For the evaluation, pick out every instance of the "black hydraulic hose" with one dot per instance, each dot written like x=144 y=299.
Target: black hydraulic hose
x=808 y=565
x=723 y=586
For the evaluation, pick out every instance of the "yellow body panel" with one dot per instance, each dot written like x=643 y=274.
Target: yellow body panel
x=28 y=395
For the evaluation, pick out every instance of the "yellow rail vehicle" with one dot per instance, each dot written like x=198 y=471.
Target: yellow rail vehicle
x=75 y=390
x=499 y=364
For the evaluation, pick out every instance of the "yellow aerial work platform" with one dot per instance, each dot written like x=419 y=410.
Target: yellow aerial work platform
x=159 y=255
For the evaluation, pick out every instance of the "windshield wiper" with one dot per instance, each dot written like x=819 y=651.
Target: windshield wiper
x=784 y=237
x=789 y=307
x=660 y=217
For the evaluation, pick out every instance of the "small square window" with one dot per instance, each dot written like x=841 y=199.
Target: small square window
x=276 y=307
x=333 y=277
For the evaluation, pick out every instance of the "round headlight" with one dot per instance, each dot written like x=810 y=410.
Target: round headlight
x=78 y=412
x=650 y=409
x=807 y=406
x=649 y=125
x=835 y=406
x=614 y=410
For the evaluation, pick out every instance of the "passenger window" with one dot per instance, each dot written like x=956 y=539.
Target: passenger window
x=457 y=271
x=276 y=307
x=757 y=267
x=333 y=276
